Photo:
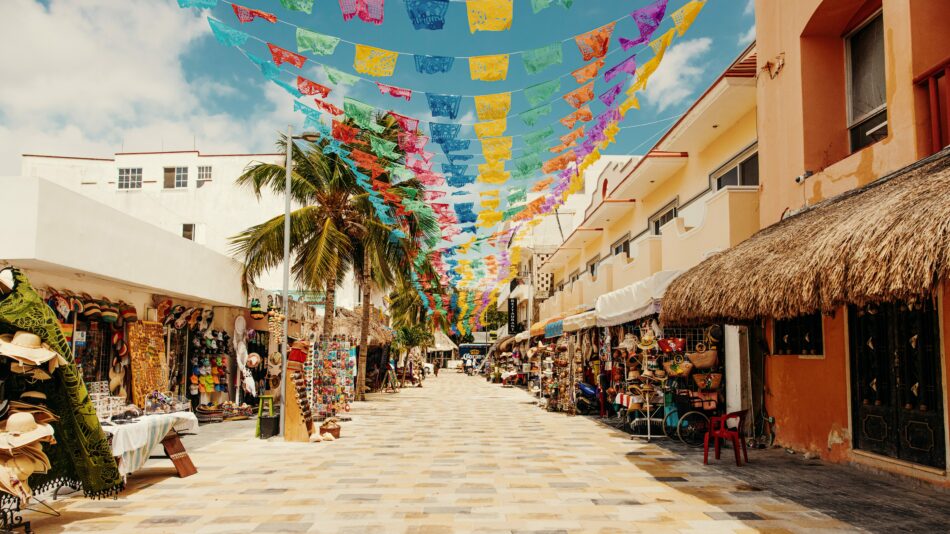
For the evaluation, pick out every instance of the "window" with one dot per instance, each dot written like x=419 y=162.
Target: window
x=740 y=170
x=574 y=276
x=592 y=265
x=662 y=217
x=867 y=105
x=130 y=178
x=176 y=177
x=621 y=247
x=188 y=231
x=204 y=175
x=799 y=335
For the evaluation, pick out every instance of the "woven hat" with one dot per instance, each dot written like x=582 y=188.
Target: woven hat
x=647 y=341
x=27 y=347
x=110 y=313
x=91 y=308
x=21 y=429
x=253 y=360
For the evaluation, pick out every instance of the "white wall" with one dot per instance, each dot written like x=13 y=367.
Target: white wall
x=219 y=208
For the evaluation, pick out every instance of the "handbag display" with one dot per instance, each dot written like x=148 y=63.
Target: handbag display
x=704 y=358
x=678 y=366
x=707 y=381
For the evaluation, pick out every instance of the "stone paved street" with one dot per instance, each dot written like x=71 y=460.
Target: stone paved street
x=458 y=455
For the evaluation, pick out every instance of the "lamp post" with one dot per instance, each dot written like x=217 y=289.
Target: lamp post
x=284 y=343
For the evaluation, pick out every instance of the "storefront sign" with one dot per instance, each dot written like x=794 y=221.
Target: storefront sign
x=512 y=317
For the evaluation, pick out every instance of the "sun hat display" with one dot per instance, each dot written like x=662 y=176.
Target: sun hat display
x=647 y=341
x=26 y=348
x=253 y=360
x=629 y=342
x=21 y=429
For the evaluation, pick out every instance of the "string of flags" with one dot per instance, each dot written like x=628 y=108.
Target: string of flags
x=543 y=168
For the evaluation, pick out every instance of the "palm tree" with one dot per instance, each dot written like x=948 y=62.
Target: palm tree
x=322 y=227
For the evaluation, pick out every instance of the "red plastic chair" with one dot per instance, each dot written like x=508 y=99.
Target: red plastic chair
x=718 y=429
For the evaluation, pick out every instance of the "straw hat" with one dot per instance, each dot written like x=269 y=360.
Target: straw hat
x=253 y=360
x=21 y=429
x=647 y=341
x=27 y=347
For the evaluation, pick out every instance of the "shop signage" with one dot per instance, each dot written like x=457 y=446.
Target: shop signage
x=512 y=317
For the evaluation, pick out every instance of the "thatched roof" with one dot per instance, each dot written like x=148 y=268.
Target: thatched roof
x=888 y=240
x=347 y=323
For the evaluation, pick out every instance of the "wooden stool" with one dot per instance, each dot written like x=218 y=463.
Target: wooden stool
x=260 y=411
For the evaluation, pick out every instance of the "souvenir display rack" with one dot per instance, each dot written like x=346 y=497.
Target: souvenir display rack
x=334 y=369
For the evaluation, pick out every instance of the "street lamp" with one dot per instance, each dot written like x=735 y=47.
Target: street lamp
x=288 y=170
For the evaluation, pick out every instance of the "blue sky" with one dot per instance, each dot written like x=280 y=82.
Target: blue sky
x=104 y=76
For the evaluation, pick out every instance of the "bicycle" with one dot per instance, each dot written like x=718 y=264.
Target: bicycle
x=690 y=427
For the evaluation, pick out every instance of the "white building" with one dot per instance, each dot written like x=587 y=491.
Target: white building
x=187 y=193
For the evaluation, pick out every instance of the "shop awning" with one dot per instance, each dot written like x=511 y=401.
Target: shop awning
x=522 y=336
x=442 y=343
x=580 y=321
x=506 y=343
x=553 y=329
x=634 y=301
x=537 y=329
x=885 y=241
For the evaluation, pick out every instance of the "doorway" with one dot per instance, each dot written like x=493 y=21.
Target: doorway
x=896 y=386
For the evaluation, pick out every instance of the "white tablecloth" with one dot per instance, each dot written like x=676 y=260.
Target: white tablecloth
x=132 y=443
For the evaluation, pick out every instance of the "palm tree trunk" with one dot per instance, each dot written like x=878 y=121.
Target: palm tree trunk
x=366 y=286
x=329 y=306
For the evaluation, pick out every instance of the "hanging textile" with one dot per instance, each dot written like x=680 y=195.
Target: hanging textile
x=628 y=66
x=608 y=96
x=491 y=107
x=490 y=128
x=384 y=148
x=683 y=17
x=538 y=59
x=225 y=34
x=307 y=87
x=408 y=124
x=595 y=42
x=433 y=64
x=367 y=10
x=489 y=68
x=497 y=148
x=541 y=93
x=444 y=105
x=489 y=15
x=327 y=107
x=539 y=5
x=648 y=19
x=539 y=137
x=395 y=92
x=583 y=115
x=427 y=14
x=588 y=72
x=533 y=115
x=298 y=5
x=580 y=96
x=442 y=132
x=246 y=14
x=338 y=77
x=317 y=43
x=363 y=115
x=374 y=61
x=281 y=56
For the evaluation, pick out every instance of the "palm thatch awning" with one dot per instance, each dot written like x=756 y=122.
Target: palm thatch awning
x=347 y=324
x=886 y=241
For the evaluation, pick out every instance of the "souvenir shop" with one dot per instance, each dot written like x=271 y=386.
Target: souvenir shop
x=51 y=436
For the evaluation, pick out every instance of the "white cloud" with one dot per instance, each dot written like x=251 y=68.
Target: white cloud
x=749 y=8
x=748 y=36
x=679 y=73
x=95 y=76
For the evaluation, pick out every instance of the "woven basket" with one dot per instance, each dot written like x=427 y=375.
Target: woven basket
x=708 y=381
x=704 y=360
x=334 y=430
x=678 y=368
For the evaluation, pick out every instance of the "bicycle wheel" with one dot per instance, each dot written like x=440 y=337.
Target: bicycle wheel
x=670 y=421
x=692 y=427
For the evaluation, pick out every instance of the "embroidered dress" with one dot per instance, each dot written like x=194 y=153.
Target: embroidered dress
x=595 y=42
x=318 y=43
x=541 y=58
x=82 y=455
x=489 y=15
x=433 y=64
x=374 y=61
x=444 y=105
x=489 y=68
x=491 y=107
x=541 y=93
x=427 y=14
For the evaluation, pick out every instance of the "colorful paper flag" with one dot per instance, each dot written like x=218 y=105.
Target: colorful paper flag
x=374 y=61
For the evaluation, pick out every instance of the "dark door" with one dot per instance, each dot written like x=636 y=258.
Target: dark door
x=897 y=396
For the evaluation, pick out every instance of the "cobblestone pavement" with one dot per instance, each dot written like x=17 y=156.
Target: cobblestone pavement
x=459 y=455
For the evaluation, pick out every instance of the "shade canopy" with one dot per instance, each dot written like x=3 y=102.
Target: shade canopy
x=580 y=321
x=442 y=343
x=634 y=301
